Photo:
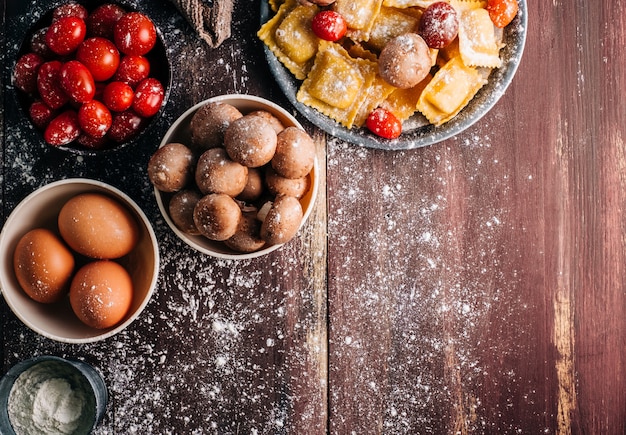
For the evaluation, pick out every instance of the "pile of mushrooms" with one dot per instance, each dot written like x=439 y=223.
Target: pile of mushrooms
x=240 y=178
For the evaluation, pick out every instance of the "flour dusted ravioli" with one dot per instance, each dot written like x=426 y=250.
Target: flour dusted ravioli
x=403 y=102
x=452 y=87
x=478 y=43
x=389 y=23
x=409 y=3
x=360 y=16
x=337 y=84
x=290 y=37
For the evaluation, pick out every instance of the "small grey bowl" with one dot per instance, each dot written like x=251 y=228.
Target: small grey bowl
x=79 y=375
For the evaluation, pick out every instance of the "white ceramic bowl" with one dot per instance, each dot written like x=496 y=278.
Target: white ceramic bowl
x=180 y=132
x=57 y=321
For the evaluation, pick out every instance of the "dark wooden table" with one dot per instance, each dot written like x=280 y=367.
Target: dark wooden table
x=473 y=286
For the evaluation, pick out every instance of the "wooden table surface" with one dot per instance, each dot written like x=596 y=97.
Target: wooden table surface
x=474 y=286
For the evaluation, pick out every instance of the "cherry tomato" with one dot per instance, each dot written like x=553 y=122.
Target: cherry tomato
x=25 y=72
x=49 y=86
x=125 y=125
x=134 y=34
x=100 y=56
x=329 y=25
x=63 y=129
x=41 y=114
x=383 y=123
x=439 y=25
x=70 y=10
x=132 y=70
x=102 y=20
x=77 y=81
x=148 y=97
x=502 y=12
x=118 y=96
x=94 y=118
x=65 y=35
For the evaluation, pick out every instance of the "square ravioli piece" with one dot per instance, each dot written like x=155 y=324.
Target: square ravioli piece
x=337 y=83
x=451 y=88
x=359 y=15
x=389 y=23
x=478 y=43
x=290 y=37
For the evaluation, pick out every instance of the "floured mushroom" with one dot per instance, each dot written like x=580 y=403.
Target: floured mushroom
x=281 y=219
x=247 y=238
x=181 y=209
x=251 y=141
x=404 y=61
x=254 y=186
x=279 y=185
x=210 y=122
x=171 y=167
x=295 y=153
x=271 y=119
x=217 y=216
x=217 y=173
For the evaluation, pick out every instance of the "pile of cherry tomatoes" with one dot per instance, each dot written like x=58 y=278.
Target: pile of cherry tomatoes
x=87 y=78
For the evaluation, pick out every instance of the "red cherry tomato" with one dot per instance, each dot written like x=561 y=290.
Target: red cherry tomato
x=25 y=72
x=63 y=129
x=94 y=143
x=132 y=70
x=502 y=12
x=118 y=96
x=41 y=114
x=125 y=126
x=329 y=25
x=134 y=34
x=383 y=123
x=49 y=86
x=70 y=10
x=148 y=97
x=94 y=118
x=38 y=44
x=77 y=81
x=65 y=35
x=102 y=20
x=99 y=55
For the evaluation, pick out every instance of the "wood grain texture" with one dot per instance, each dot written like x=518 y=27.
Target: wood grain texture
x=474 y=286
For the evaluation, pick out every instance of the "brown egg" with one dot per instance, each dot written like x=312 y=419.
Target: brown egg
x=43 y=265
x=98 y=226
x=101 y=294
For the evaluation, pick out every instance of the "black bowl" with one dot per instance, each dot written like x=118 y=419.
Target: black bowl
x=160 y=69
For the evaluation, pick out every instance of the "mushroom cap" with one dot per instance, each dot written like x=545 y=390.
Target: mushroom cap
x=181 y=209
x=254 y=186
x=247 y=238
x=171 y=167
x=217 y=173
x=271 y=119
x=404 y=61
x=251 y=141
x=282 y=220
x=217 y=216
x=295 y=153
x=209 y=123
x=279 y=185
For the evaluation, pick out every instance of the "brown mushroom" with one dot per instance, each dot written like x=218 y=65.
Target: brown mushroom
x=404 y=61
x=209 y=123
x=279 y=185
x=281 y=222
x=254 y=186
x=171 y=167
x=181 y=209
x=217 y=216
x=247 y=238
x=295 y=153
x=217 y=173
x=251 y=141
x=271 y=119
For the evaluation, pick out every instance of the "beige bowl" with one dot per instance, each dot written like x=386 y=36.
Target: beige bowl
x=180 y=132
x=57 y=321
